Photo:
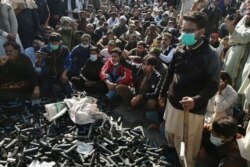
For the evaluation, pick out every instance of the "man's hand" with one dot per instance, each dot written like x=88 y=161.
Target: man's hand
x=89 y=83
x=135 y=100
x=222 y=86
x=11 y=36
x=64 y=77
x=187 y=103
x=162 y=101
x=110 y=85
x=3 y=60
x=125 y=54
x=56 y=17
x=230 y=25
x=36 y=92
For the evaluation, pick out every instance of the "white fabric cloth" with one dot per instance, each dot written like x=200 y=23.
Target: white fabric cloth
x=105 y=54
x=167 y=58
x=37 y=163
x=186 y=6
x=112 y=23
x=76 y=10
x=31 y=4
x=174 y=124
x=10 y=22
x=237 y=62
x=84 y=110
x=223 y=102
x=244 y=144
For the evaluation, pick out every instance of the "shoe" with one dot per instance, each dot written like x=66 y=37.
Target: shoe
x=170 y=155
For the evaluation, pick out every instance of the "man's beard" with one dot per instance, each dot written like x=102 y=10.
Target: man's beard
x=247 y=23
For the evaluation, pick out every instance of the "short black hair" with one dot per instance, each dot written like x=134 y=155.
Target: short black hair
x=142 y=43
x=167 y=34
x=199 y=18
x=149 y=59
x=14 y=44
x=86 y=35
x=226 y=77
x=38 y=37
x=55 y=37
x=93 y=48
x=225 y=126
x=117 y=50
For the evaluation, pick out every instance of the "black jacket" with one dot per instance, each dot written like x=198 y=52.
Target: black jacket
x=194 y=73
x=153 y=82
x=55 y=62
x=91 y=70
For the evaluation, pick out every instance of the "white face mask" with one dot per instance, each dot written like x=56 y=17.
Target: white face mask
x=212 y=5
x=215 y=140
x=115 y=64
x=93 y=57
x=85 y=46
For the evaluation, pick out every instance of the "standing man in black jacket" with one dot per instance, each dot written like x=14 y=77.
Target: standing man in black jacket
x=193 y=78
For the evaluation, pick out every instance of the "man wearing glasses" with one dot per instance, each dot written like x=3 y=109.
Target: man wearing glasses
x=193 y=78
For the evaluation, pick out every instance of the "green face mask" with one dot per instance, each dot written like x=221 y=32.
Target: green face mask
x=188 y=39
x=54 y=47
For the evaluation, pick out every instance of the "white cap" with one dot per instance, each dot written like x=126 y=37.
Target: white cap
x=123 y=17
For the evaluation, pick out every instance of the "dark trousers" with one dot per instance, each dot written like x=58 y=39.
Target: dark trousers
x=79 y=84
x=54 y=87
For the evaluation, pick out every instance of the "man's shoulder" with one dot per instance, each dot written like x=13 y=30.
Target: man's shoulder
x=209 y=50
x=76 y=48
x=156 y=74
x=6 y=5
x=29 y=49
x=104 y=51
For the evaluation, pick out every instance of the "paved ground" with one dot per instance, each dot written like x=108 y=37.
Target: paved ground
x=135 y=117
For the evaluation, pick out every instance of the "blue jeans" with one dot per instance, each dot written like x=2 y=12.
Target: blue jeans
x=111 y=93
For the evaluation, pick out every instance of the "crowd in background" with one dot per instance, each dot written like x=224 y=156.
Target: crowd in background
x=119 y=48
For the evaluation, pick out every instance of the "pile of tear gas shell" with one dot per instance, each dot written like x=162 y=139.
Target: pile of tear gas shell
x=27 y=138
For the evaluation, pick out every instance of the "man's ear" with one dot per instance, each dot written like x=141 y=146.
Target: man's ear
x=229 y=139
x=202 y=31
x=226 y=81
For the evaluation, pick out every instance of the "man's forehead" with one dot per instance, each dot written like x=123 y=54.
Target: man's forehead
x=189 y=24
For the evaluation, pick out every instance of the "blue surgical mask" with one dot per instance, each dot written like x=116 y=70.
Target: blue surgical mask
x=93 y=57
x=216 y=140
x=188 y=38
x=54 y=47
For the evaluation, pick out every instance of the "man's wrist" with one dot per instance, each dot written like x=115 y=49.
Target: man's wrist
x=5 y=34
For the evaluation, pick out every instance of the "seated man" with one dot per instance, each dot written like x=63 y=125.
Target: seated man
x=221 y=104
x=146 y=81
x=138 y=53
x=113 y=73
x=160 y=66
x=219 y=146
x=18 y=78
x=106 y=52
x=89 y=76
x=103 y=42
x=55 y=65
